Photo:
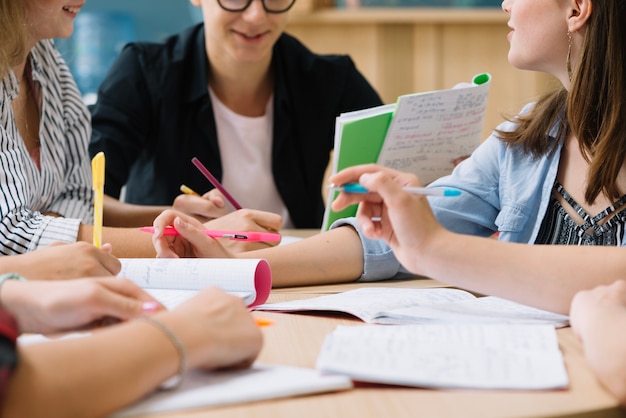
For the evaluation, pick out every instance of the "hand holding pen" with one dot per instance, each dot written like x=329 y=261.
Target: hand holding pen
x=357 y=188
x=191 y=239
x=97 y=175
x=348 y=181
x=211 y=205
x=205 y=208
x=249 y=236
x=211 y=178
x=387 y=210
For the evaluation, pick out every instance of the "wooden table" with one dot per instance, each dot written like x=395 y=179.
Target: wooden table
x=295 y=339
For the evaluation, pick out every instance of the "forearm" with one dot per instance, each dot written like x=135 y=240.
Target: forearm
x=120 y=214
x=100 y=374
x=16 y=264
x=126 y=242
x=332 y=257
x=545 y=276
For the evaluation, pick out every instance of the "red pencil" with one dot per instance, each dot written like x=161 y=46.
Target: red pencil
x=205 y=171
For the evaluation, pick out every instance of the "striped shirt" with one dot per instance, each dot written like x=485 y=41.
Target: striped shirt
x=63 y=184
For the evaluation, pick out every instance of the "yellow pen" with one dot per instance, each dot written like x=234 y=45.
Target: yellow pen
x=188 y=190
x=97 y=174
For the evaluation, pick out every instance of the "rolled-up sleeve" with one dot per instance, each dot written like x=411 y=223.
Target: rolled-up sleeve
x=380 y=263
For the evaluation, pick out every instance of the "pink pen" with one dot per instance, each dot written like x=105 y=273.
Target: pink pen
x=232 y=235
x=210 y=177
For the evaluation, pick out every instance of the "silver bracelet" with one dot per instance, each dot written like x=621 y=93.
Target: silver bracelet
x=10 y=276
x=174 y=381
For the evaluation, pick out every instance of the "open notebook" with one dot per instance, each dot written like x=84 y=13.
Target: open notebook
x=422 y=133
x=383 y=305
x=174 y=280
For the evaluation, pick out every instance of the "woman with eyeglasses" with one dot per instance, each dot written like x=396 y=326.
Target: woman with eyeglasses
x=248 y=100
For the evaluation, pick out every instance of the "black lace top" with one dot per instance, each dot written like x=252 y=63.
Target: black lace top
x=559 y=228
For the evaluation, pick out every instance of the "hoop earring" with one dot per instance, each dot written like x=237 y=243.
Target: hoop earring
x=569 y=54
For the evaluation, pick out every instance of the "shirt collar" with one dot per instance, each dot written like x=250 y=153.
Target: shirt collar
x=9 y=86
x=554 y=132
x=35 y=61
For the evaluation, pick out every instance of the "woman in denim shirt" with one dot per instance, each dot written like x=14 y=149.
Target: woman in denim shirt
x=553 y=176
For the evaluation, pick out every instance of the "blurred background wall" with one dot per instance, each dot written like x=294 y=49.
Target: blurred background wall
x=102 y=28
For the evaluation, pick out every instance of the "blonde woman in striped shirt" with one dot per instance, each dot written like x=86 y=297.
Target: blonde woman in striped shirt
x=45 y=177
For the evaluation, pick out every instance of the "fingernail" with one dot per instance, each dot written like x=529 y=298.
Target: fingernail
x=149 y=306
x=180 y=223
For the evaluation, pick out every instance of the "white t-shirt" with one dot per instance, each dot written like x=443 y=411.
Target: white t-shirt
x=246 y=153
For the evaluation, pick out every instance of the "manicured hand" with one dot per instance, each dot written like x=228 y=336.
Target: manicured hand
x=59 y=306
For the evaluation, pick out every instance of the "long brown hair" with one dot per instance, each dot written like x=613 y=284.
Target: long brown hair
x=595 y=107
x=12 y=34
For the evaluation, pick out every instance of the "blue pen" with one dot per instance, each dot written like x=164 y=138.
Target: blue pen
x=357 y=188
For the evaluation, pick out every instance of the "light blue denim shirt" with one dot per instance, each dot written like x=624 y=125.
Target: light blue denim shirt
x=503 y=189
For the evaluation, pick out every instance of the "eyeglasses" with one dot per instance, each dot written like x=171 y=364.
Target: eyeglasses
x=270 y=6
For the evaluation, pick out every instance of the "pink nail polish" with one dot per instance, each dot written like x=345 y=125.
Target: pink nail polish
x=149 y=306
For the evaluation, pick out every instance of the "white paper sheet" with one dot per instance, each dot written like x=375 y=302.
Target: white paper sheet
x=470 y=356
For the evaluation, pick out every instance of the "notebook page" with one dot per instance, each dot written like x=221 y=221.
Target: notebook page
x=248 y=276
x=430 y=130
x=470 y=356
x=483 y=309
x=368 y=303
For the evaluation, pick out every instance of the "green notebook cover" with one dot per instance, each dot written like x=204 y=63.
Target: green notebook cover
x=359 y=140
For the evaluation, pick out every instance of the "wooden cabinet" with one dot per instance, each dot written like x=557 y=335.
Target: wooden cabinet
x=403 y=51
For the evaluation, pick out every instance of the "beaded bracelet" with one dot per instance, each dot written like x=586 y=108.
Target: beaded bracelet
x=10 y=276
x=174 y=381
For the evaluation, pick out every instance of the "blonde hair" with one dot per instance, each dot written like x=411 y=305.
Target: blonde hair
x=12 y=34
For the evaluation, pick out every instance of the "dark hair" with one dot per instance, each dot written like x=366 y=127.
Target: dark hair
x=595 y=107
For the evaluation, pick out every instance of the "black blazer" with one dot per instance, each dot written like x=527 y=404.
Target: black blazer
x=154 y=114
